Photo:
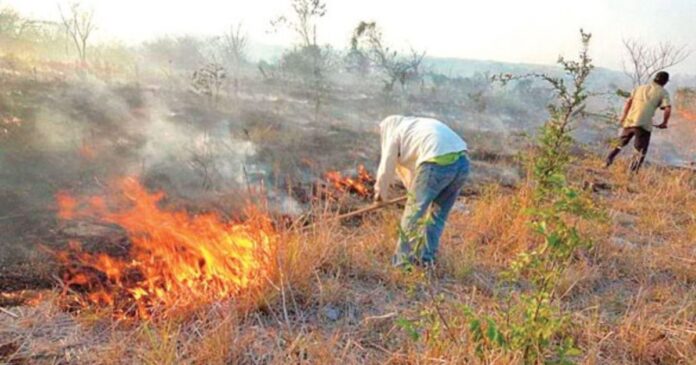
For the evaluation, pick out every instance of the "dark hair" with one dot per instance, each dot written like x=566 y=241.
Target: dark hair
x=661 y=78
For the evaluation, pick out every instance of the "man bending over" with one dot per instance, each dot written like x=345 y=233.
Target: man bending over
x=431 y=160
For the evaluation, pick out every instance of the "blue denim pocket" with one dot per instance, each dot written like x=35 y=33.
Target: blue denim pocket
x=441 y=177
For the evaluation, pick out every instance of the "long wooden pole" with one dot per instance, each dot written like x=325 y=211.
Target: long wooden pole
x=368 y=209
x=359 y=212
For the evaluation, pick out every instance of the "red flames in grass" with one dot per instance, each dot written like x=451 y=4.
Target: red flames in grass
x=175 y=260
x=361 y=184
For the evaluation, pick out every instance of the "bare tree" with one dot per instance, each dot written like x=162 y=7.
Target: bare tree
x=645 y=60
x=303 y=22
x=79 y=26
x=306 y=15
x=234 y=48
x=367 y=40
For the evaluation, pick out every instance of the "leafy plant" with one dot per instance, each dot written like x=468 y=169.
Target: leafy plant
x=536 y=323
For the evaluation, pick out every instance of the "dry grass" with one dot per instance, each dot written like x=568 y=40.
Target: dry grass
x=632 y=298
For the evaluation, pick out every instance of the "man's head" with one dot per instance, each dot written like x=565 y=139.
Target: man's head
x=661 y=78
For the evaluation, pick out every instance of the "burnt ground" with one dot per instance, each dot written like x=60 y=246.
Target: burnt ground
x=75 y=135
x=27 y=262
x=24 y=267
x=31 y=236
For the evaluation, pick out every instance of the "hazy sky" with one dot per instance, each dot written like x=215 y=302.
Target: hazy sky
x=535 y=31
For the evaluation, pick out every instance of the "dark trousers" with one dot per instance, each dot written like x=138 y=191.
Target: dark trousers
x=640 y=143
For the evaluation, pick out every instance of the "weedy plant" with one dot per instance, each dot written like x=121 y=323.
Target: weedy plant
x=535 y=323
x=532 y=326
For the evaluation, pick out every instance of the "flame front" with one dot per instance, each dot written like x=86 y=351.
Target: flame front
x=174 y=260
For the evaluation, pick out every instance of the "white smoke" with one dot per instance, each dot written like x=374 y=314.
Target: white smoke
x=193 y=154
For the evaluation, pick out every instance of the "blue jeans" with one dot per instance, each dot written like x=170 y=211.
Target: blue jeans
x=434 y=192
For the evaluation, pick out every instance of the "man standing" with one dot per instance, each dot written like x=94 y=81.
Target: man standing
x=637 y=118
x=432 y=163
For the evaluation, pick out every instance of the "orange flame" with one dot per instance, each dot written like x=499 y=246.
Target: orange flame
x=67 y=205
x=688 y=115
x=358 y=185
x=175 y=259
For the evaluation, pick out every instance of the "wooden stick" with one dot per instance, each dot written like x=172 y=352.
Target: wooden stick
x=384 y=316
x=358 y=212
x=8 y=312
x=371 y=208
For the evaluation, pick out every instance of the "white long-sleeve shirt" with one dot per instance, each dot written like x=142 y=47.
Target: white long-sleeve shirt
x=407 y=142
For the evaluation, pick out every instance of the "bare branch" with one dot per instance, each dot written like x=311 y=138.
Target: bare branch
x=304 y=24
x=79 y=26
x=645 y=61
x=367 y=40
x=234 y=46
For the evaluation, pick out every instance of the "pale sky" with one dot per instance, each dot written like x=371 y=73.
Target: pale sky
x=530 y=31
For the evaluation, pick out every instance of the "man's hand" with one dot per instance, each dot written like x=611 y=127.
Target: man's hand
x=378 y=198
x=662 y=126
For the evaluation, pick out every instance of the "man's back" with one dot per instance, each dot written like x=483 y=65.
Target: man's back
x=408 y=142
x=428 y=138
x=645 y=100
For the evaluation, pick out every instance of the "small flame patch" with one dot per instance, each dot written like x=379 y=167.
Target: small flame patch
x=360 y=185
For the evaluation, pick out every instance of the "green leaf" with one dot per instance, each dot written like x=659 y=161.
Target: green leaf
x=409 y=327
x=475 y=326
x=492 y=332
x=553 y=240
x=573 y=351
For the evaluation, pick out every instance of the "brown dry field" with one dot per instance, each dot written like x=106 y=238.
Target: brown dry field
x=631 y=297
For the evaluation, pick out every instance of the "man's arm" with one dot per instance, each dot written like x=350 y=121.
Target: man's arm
x=666 y=107
x=387 y=166
x=626 y=109
x=666 y=114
